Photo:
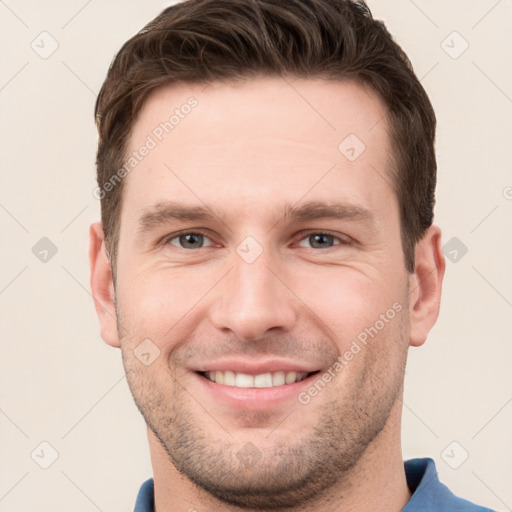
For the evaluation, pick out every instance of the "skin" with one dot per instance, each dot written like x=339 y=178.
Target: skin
x=245 y=151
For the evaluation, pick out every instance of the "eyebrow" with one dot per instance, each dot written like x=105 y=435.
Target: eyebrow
x=314 y=210
x=168 y=211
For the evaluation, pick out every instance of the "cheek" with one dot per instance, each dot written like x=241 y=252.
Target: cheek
x=348 y=302
x=154 y=303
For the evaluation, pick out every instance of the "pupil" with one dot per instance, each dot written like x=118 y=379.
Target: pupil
x=188 y=240
x=319 y=239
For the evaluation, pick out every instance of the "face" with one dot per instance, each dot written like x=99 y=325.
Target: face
x=262 y=299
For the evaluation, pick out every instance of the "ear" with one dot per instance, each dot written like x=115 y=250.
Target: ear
x=102 y=285
x=425 y=286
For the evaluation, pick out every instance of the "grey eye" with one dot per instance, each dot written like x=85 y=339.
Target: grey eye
x=189 y=240
x=320 y=240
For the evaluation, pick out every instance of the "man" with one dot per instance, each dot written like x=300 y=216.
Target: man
x=267 y=255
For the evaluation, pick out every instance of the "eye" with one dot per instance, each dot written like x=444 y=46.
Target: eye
x=189 y=240
x=196 y=240
x=322 y=240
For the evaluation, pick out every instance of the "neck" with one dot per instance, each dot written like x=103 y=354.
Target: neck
x=377 y=482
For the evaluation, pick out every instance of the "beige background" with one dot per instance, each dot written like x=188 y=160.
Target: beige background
x=61 y=384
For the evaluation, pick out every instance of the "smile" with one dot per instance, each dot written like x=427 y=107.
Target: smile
x=262 y=380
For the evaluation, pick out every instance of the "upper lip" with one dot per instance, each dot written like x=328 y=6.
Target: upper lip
x=255 y=367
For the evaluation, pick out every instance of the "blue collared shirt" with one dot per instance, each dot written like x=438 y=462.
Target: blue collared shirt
x=428 y=493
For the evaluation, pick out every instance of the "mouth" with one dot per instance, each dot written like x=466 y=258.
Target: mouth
x=262 y=380
x=261 y=392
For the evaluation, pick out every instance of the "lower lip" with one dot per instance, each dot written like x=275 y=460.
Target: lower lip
x=254 y=398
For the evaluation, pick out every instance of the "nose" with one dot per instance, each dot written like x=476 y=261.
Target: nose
x=254 y=298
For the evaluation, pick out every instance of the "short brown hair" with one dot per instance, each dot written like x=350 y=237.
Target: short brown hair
x=200 y=41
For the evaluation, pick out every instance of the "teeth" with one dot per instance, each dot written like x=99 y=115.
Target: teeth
x=278 y=378
x=229 y=378
x=263 y=380
x=244 y=381
x=290 y=378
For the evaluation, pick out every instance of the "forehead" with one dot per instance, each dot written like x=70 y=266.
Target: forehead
x=258 y=142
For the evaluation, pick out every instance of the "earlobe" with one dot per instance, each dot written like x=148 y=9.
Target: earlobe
x=426 y=285
x=102 y=286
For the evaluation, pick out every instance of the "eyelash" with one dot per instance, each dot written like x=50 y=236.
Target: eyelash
x=167 y=241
